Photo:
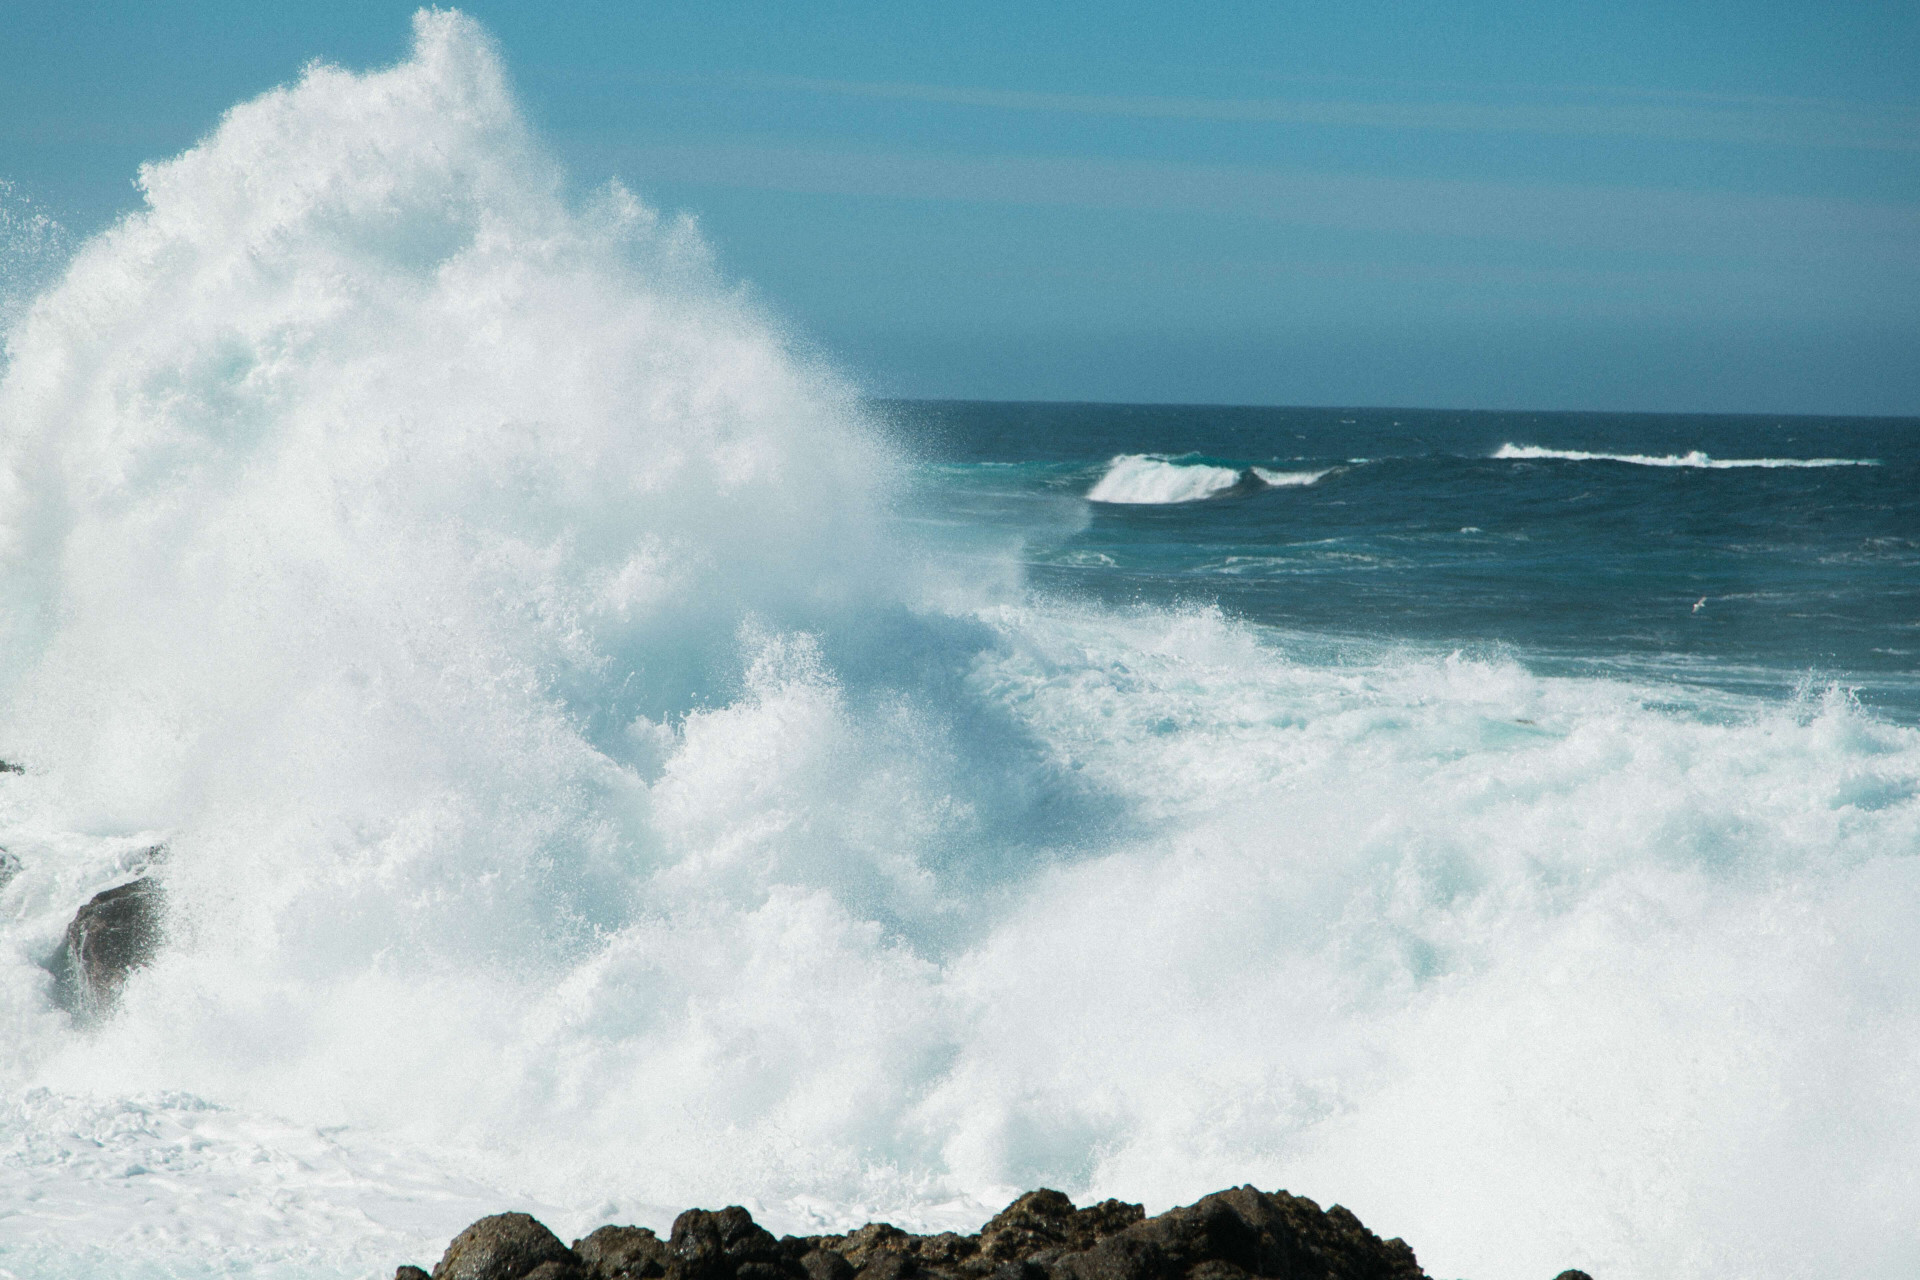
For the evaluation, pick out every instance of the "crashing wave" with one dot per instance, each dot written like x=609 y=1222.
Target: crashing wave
x=574 y=789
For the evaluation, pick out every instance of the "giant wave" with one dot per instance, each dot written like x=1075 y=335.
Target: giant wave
x=582 y=795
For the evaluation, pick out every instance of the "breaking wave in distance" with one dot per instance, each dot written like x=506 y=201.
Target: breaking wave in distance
x=581 y=794
x=1695 y=458
x=1286 y=479
x=1145 y=479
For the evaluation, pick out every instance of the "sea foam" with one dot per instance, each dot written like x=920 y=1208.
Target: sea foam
x=581 y=795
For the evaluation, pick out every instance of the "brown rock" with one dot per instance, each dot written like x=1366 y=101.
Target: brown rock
x=714 y=1246
x=1240 y=1234
x=1045 y=1221
x=623 y=1253
x=508 y=1246
x=825 y=1264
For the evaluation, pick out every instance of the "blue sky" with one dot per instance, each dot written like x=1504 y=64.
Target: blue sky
x=1622 y=206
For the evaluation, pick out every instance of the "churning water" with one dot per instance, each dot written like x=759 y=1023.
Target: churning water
x=604 y=766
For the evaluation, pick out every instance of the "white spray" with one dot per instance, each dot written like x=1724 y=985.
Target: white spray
x=579 y=795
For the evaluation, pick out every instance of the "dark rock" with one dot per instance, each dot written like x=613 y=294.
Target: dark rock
x=1216 y=1270
x=946 y=1250
x=1037 y=1220
x=713 y=1246
x=1023 y=1269
x=825 y=1264
x=410 y=1272
x=1046 y=1220
x=1573 y=1275
x=623 y=1253
x=890 y=1264
x=1241 y=1234
x=111 y=936
x=508 y=1246
x=7 y=766
x=861 y=1247
x=9 y=867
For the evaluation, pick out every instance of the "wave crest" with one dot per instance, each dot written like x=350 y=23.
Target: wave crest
x=1146 y=479
x=1694 y=458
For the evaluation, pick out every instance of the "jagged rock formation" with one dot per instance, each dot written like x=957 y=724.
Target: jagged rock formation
x=115 y=933
x=1230 y=1235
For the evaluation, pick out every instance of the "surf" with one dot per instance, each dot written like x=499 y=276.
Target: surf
x=583 y=790
x=1153 y=480
x=1693 y=458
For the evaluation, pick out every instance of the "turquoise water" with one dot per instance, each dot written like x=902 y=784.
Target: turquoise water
x=1738 y=553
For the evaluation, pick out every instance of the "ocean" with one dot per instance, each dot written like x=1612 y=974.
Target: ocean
x=1769 y=556
x=597 y=761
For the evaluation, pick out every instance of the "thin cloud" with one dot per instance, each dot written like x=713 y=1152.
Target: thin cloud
x=1799 y=229
x=1641 y=114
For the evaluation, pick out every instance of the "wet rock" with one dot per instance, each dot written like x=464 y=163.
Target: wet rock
x=555 y=1270
x=9 y=867
x=1045 y=1220
x=890 y=1264
x=825 y=1264
x=7 y=766
x=111 y=936
x=866 y=1246
x=508 y=1246
x=714 y=1246
x=623 y=1253
x=1240 y=1234
x=408 y=1271
x=1573 y=1275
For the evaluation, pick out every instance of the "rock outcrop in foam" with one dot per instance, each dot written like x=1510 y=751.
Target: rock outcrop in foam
x=115 y=933
x=1230 y=1235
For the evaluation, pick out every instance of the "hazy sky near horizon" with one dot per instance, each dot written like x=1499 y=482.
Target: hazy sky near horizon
x=1711 y=207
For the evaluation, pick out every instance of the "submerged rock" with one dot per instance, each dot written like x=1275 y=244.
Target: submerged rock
x=1230 y=1235
x=9 y=867
x=111 y=936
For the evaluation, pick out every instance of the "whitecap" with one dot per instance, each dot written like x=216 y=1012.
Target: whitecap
x=1288 y=479
x=1693 y=458
x=1147 y=479
x=1143 y=479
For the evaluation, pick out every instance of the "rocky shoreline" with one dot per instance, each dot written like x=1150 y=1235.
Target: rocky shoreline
x=1230 y=1235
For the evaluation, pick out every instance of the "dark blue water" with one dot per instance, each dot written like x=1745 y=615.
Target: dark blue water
x=1757 y=579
